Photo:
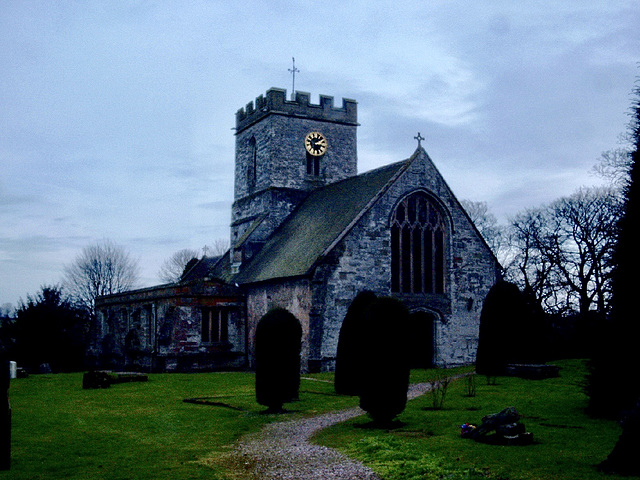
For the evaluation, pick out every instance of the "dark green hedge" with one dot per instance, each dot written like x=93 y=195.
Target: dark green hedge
x=351 y=348
x=277 y=348
x=385 y=370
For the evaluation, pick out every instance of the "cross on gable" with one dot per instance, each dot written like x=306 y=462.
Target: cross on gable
x=419 y=138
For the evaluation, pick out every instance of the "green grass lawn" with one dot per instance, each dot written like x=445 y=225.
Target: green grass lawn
x=140 y=430
x=146 y=431
x=567 y=443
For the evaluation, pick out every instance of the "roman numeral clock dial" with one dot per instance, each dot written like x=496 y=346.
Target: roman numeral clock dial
x=315 y=143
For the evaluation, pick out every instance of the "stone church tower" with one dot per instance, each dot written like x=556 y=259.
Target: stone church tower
x=274 y=171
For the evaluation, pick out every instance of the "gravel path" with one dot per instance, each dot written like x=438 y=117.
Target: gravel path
x=282 y=449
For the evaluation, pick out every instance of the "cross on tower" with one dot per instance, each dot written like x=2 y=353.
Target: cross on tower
x=293 y=72
x=419 y=138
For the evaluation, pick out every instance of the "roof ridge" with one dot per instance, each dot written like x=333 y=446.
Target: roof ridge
x=302 y=238
x=402 y=168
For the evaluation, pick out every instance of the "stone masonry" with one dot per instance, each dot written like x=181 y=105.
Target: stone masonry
x=308 y=233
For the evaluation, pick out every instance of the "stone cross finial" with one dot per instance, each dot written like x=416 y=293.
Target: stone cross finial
x=293 y=72
x=419 y=138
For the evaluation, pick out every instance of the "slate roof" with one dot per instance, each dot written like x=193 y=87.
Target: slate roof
x=313 y=228
x=199 y=270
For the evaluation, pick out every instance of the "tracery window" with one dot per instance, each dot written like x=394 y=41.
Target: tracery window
x=418 y=235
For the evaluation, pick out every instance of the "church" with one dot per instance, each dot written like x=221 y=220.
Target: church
x=308 y=233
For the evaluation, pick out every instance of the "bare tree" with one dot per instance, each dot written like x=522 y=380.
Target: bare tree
x=614 y=166
x=487 y=225
x=528 y=267
x=173 y=267
x=218 y=248
x=100 y=269
x=563 y=250
x=580 y=243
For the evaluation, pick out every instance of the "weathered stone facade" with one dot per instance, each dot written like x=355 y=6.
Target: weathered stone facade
x=361 y=260
x=272 y=174
x=163 y=329
x=308 y=237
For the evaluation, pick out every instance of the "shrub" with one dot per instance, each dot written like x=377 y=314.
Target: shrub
x=471 y=385
x=349 y=358
x=505 y=330
x=385 y=379
x=439 y=388
x=49 y=329
x=277 y=346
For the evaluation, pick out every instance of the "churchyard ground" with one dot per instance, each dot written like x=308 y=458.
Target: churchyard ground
x=567 y=443
x=146 y=430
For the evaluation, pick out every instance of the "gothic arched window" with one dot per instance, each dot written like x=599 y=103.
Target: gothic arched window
x=418 y=236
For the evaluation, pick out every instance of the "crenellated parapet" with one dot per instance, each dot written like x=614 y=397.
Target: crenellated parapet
x=275 y=102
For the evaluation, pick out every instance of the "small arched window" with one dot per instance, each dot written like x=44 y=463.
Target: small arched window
x=418 y=235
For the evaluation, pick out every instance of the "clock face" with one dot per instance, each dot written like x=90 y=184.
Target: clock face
x=315 y=143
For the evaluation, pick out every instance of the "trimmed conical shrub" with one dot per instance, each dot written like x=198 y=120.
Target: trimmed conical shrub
x=277 y=348
x=349 y=359
x=385 y=371
x=503 y=315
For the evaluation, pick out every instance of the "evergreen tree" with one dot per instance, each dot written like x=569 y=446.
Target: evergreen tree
x=49 y=329
x=508 y=330
x=277 y=347
x=385 y=375
x=350 y=358
x=610 y=387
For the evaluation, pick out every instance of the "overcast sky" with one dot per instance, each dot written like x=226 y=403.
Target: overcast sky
x=116 y=117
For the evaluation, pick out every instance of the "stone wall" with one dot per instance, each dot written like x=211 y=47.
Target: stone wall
x=293 y=295
x=160 y=329
x=362 y=261
x=271 y=161
x=276 y=101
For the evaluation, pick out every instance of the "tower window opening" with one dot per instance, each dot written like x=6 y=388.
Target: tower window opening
x=313 y=165
x=252 y=166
